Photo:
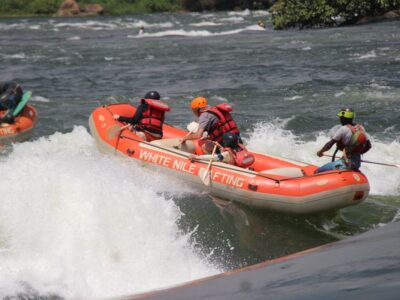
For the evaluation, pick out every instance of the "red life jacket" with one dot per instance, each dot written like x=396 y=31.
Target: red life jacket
x=153 y=117
x=225 y=123
x=358 y=140
x=242 y=157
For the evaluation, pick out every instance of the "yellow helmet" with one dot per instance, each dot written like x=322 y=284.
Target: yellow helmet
x=199 y=102
x=347 y=113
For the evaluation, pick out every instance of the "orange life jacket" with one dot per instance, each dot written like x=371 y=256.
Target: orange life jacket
x=358 y=140
x=225 y=123
x=242 y=157
x=153 y=117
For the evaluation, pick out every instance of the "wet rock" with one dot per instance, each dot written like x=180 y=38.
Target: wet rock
x=390 y=15
x=69 y=8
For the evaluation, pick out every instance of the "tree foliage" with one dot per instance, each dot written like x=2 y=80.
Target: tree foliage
x=48 y=7
x=317 y=13
x=202 y=5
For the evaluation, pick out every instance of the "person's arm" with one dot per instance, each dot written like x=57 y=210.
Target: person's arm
x=193 y=136
x=136 y=117
x=7 y=118
x=9 y=89
x=326 y=147
x=222 y=157
x=204 y=123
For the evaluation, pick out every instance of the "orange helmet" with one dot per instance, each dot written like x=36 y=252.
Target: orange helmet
x=199 y=102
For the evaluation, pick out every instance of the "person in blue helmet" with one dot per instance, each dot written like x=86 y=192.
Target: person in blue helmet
x=10 y=95
x=350 y=138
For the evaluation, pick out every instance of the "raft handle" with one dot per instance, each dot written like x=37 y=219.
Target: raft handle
x=253 y=187
x=358 y=195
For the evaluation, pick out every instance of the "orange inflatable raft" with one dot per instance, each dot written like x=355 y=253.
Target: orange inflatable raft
x=22 y=129
x=270 y=183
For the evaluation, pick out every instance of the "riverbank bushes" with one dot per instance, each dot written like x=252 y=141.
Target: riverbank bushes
x=322 y=13
x=117 y=7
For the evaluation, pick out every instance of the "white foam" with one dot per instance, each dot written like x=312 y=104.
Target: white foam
x=245 y=12
x=185 y=33
x=272 y=138
x=39 y=99
x=205 y=24
x=86 y=225
x=380 y=87
x=368 y=55
x=232 y=19
x=255 y=28
x=111 y=25
x=260 y=13
x=14 y=56
x=297 y=97
x=74 y=38
x=339 y=94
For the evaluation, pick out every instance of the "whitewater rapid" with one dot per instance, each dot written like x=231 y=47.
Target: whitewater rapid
x=80 y=224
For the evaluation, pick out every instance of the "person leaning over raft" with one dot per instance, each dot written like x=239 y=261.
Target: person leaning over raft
x=149 y=117
x=231 y=152
x=351 y=139
x=215 y=120
x=10 y=95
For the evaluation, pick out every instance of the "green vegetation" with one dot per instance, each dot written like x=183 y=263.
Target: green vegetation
x=320 y=13
x=28 y=7
x=114 y=7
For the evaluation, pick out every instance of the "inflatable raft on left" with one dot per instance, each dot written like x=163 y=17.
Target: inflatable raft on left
x=23 y=126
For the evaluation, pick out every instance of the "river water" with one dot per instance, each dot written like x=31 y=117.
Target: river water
x=78 y=224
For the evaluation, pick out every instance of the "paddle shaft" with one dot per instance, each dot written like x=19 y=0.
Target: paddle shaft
x=209 y=165
x=373 y=162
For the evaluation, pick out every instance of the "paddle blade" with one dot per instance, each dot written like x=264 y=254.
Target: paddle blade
x=22 y=103
x=206 y=178
x=113 y=131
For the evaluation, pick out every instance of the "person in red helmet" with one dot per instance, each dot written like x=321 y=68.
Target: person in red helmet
x=149 y=117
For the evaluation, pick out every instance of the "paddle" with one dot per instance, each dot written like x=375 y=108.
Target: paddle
x=22 y=103
x=206 y=178
x=115 y=130
x=191 y=127
x=374 y=162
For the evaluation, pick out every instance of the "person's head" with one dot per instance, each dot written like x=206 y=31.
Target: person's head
x=152 y=95
x=198 y=105
x=346 y=116
x=230 y=140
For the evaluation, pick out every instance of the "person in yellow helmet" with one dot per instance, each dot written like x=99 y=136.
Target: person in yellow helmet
x=350 y=138
x=215 y=120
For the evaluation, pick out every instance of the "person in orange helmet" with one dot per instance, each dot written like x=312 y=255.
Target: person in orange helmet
x=215 y=120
